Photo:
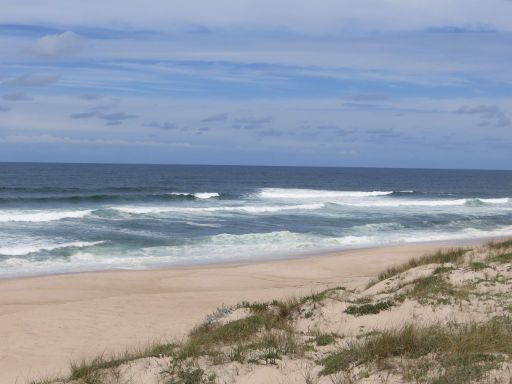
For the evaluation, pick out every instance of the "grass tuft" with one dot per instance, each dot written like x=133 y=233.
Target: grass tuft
x=477 y=266
x=440 y=257
x=503 y=258
x=325 y=339
x=465 y=352
x=369 y=309
x=500 y=245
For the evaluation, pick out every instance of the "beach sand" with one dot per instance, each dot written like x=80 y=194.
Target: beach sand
x=46 y=322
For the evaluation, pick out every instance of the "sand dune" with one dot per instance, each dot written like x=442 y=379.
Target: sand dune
x=47 y=321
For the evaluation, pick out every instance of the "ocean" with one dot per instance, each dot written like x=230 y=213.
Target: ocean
x=57 y=218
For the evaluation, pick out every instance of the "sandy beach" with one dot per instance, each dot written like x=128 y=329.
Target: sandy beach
x=46 y=322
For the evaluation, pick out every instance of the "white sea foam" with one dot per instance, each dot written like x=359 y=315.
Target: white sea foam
x=253 y=209
x=229 y=247
x=206 y=195
x=208 y=225
x=377 y=227
x=371 y=198
x=41 y=216
x=290 y=193
x=422 y=203
x=197 y=195
x=504 y=200
x=20 y=250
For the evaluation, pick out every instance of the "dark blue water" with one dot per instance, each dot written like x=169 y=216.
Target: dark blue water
x=72 y=217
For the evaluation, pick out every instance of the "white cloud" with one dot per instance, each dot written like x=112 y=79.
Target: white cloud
x=58 y=45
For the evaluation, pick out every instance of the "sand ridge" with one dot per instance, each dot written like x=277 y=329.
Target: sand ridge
x=47 y=321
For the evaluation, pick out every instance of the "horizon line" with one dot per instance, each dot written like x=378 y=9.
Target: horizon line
x=254 y=165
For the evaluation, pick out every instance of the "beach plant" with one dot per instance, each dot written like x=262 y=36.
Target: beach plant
x=369 y=308
x=441 y=353
x=324 y=339
x=179 y=372
x=454 y=353
x=455 y=255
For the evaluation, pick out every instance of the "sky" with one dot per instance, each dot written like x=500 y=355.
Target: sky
x=367 y=83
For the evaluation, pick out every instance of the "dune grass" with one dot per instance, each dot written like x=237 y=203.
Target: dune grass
x=265 y=335
x=454 y=353
x=90 y=371
x=500 y=245
x=437 y=354
x=369 y=308
x=324 y=339
x=455 y=256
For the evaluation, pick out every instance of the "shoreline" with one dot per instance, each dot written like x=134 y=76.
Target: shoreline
x=265 y=259
x=48 y=321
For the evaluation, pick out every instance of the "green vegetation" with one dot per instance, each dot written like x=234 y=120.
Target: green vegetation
x=436 y=289
x=369 y=309
x=454 y=354
x=500 y=245
x=90 y=371
x=503 y=258
x=440 y=257
x=179 y=373
x=435 y=354
x=477 y=266
x=441 y=270
x=325 y=339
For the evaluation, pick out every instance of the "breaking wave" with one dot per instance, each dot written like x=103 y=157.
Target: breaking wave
x=197 y=195
x=287 y=193
x=243 y=209
x=41 y=216
x=20 y=250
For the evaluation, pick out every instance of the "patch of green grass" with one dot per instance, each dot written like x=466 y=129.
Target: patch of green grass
x=204 y=339
x=503 y=258
x=436 y=288
x=362 y=300
x=269 y=326
x=287 y=307
x=257 y=307
x=179 y=373
x=270 y=355
x=463 y=352
x=441 y=270
x=325 y=339
x=369 y=309
x=440 y=257
x=477 y=266
x=285 y=341
x=238 y=353
x=91 y=371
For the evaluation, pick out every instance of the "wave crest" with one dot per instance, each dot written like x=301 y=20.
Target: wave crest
x=290 y=193
x=196 y=195
x=41 y=216
x=22 y=250
x=255 y=209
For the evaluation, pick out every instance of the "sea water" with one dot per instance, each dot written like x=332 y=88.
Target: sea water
x=58 y=218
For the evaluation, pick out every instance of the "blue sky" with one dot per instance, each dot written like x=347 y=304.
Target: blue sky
x=340 y=83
